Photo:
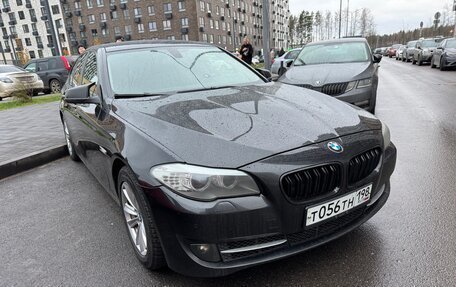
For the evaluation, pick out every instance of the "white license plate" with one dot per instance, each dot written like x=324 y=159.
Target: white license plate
x=339 y=205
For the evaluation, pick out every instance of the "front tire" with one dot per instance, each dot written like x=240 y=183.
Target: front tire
x=442 y=65
x=139 y=221
x=69 y=142
x=54 y=86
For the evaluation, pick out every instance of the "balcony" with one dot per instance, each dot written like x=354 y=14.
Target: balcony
x=77 y=13
x=84 y=42
x=19 y=49
x=228 y=33
x=184 y=30
x=242 y=23
x=44 y=17
x=137 y=20
x=123 y=6
x=209 y=14
x=7 y=50
x=102 y=25
x=2 y=24
x=6 y=37
x=68 y=14
x=222 y=18
x=112 y=7
x=63 y=1
x=28 y=5
x=69 y=29
x=127 y=37
x=74 y=43
x=34 y=19
x=82 y=27
x=227 y=5
x=35 y=33
x=50 y=45
x=201 y=29
x=40 y=46
x=49 y=31
x=6 y=9
x=43 y=2
x=13 y=36
x=12 y=22
x=169 y=16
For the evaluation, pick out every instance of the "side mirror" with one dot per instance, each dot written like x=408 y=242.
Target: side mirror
x=289 y=63
x=377 y=58
x=81 y=95
x=265 y=73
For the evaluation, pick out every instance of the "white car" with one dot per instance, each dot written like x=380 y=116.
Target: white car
x=14 y=79
x=286 y=59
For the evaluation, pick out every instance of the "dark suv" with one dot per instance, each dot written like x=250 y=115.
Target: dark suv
x=52 y=70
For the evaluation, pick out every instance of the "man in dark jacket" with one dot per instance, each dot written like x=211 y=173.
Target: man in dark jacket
x=246 y=51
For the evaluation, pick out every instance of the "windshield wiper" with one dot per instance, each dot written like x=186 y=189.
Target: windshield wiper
x=206 y=89
x=126 y=96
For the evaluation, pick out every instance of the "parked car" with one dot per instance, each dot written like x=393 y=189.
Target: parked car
x=52 y=70
x=391 y=52
x=423 y=51
x=281 y=64
x=215 y=168
x=14 y=80
x=444 y=55
x=400 y=52
x=342 y=68
x=407 y=54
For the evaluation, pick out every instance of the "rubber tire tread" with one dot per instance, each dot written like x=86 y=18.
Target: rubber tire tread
x=156 y=259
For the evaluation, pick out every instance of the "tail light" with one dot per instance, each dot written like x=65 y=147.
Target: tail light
x=66 y=63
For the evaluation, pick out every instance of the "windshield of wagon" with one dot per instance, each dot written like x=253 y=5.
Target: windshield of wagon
x=428 y=44
x=172 y=69
x=333 y=53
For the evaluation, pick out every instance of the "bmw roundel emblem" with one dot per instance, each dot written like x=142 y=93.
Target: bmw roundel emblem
x=335 y=147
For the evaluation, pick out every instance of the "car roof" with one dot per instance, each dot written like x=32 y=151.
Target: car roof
x=127 y=45
x=342 y=40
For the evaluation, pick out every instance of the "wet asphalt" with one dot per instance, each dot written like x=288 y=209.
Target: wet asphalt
x=59 y=228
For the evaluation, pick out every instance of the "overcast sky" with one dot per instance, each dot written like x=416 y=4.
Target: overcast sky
x=390 y=15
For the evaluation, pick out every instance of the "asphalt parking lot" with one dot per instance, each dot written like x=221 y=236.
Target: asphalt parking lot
x=59 y=228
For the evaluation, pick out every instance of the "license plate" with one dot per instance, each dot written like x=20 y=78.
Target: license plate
x=337 y=206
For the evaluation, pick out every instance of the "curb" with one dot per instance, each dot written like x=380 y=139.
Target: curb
x=32 y=160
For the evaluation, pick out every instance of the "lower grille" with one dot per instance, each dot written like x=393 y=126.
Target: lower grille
x=362 y=165
x=311 y=183
x=324 y=228
x=246 y=243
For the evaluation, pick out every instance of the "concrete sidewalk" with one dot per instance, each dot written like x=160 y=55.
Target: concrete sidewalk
x=28 y=130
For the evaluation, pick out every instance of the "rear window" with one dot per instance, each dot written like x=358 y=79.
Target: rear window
x=10 y=69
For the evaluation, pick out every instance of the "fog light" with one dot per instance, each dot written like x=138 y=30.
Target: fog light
x=206 y=252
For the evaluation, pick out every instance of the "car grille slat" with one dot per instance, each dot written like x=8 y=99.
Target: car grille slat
x=334 y=89
x=363 y=164
x=311 y=183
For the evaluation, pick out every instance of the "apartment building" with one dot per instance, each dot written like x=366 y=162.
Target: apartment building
x=31 y=29
x=222 y=22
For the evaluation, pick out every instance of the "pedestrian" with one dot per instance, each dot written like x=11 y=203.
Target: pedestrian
x=81 y=49
x=120 y=39
x=281 y=52
x=246 y=51
x=272 y=55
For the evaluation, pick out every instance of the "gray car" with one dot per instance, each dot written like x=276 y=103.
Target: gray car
x=343 y=68
x=423 y=50
x=281 y=64
x=407 y=54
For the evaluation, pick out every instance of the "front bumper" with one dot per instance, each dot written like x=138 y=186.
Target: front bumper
x=450 y=61
x=252 y=221
x=10 y=89
x=364 y=98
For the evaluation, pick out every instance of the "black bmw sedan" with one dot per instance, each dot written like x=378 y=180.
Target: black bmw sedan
x=216 y=168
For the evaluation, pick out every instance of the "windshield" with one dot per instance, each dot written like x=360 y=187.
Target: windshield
x=451 y=43
x=333 y=53
x=10 y=69
x=428 y=44
x=292 y=54
x=173 y=69
x=411 y=44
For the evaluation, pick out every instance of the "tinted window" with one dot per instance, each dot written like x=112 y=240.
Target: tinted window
x=76 y=74
x=90 y=70
x=54 y=64
x=31 y=67
x=333 y=53
x=175 y=68
x=43 y=66
x=10 y=69
x=292 y=54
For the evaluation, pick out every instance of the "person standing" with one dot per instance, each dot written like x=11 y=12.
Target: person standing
x=81 y=49
x=246 y=51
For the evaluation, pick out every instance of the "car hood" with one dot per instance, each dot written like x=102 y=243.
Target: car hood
x=233 y=127
x=318 y=75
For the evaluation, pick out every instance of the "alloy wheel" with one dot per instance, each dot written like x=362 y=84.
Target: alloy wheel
x=55 y=86
x=134 y=219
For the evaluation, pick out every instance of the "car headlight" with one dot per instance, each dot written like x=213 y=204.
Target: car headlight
x=351 y=85
x=6 y=80
x=386 y=135
x=364 y=83
x=206 y=184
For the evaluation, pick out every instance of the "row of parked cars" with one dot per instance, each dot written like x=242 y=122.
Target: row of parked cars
x=438 y=52
x=46 y=75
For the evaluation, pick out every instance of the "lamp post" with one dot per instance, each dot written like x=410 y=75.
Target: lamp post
x=3 y=53
x=267 y=60
x=340 y=18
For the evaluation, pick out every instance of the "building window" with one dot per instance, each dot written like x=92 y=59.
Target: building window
x=32 y=54
x=25 y=28
x=77 y=5
x=166 y=25
x=140 y=28
x=28 y=42
x=19 y=2
x=217 y=10
x=128 y=29
x=211 y=23
x=171 y=38
x=216 y=25
x=167 y=8
x=103 y=17
x=181 y=5
x=94 y=32
x=202 y=6
x=211 y=38
x=151 y=10
x=222 y=11
x=100 y=3
x=55 y=9
x=82 y=34
x=114 y=15
x=137 y=12
x=91 y=19
x=152 y=26
x=117 y=31
x=38 y=40
x=104 y=32
x=208 y=7
x=126 y=14
x=184 y=22
x=185 y=37
x=204 y=37
x=40 y=53
x=201 y=21
x=89 y=4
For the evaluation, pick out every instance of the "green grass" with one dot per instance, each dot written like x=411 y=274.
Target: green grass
x=36 y=100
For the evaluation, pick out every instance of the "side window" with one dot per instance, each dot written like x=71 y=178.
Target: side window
x=52 y=64
x=31 y=67
x=90 y=72
x=76 y=73
x=42 y=66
